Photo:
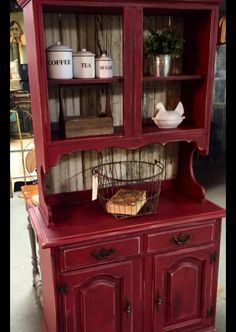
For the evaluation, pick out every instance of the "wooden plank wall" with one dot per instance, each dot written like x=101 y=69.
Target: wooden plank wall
x=169 y=93
x=96 y=33
x=73 y=172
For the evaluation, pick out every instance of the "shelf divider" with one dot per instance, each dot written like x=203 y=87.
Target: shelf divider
x=172 y=78
x=81 y=81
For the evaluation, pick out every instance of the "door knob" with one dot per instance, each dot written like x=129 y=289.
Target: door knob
x=158 y=300
x=127 y=307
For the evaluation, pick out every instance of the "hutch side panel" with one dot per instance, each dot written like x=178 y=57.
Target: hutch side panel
x=35 y=81
x=38 y=101
x=48 y=269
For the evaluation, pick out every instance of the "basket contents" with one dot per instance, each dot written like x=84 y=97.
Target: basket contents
x=129 y=188
x=126 y=202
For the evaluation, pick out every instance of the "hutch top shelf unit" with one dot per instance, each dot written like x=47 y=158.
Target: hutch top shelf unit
x=130 y=95
x=126 y=22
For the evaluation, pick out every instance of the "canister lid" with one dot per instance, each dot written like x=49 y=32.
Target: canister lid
x=104 y=57
x=84 y=52
x=58 y=47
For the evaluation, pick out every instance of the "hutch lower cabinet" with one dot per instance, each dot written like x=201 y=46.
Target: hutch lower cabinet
x=142 y=277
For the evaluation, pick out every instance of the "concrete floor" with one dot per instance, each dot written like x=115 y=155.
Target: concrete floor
x=26 y=313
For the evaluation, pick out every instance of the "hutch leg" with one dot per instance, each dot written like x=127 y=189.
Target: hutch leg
x=44 y=328
x=11 y=188
x=34 y=258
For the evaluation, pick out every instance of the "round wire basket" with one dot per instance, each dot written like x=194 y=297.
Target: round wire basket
x=129 y=188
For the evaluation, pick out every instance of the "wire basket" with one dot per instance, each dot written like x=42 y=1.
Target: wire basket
x=129 y=188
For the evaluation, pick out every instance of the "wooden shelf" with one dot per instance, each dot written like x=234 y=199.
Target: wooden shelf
x=80 y=81
x=148 y=130
x=152 y=129
x=172 y=78
x=151 y=134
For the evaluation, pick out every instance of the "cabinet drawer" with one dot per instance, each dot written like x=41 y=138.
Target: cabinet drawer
x=99 y=253
x=181 y=238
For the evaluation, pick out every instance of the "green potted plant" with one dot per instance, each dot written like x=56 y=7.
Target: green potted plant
x=162 y=46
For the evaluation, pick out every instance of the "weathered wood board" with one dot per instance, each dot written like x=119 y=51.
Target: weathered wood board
x=79 y=126
x=73 y=172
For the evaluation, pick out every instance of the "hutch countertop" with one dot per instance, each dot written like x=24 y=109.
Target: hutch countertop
x=80 y=222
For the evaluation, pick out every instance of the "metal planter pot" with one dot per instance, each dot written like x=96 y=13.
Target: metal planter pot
x=162 y=65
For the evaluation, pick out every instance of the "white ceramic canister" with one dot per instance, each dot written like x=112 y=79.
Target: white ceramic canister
x=104 y=67
x=84 y=64
x=59 y=61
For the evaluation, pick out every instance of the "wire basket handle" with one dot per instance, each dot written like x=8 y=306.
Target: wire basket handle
x=158 y=163
x=94 y=170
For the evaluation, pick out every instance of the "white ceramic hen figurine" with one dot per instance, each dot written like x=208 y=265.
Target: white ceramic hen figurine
x=170 y=118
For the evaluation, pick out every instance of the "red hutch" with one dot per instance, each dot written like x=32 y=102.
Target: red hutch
x=162 y=275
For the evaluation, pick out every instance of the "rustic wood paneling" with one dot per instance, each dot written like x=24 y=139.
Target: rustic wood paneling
x=173 y=95
x=73 y=172
x=168 y=93
x=154 y=92
x=96 y=33
x=53 y=103
x=170 y=160
x=51 y=29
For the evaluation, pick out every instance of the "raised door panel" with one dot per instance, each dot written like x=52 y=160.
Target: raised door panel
x=185 y=275
x=102 y=298
x=106 y=314
x=181 y=290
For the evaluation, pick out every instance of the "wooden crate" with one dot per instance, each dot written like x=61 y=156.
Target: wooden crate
x=77 y=126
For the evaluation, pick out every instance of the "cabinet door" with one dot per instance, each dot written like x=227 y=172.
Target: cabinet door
x=180 y=291
x=102 y=298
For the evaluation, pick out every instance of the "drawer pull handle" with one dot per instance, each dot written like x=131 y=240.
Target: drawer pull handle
x=181 y=239
x=103 y=253
x=127 y=307
x=158 y=300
